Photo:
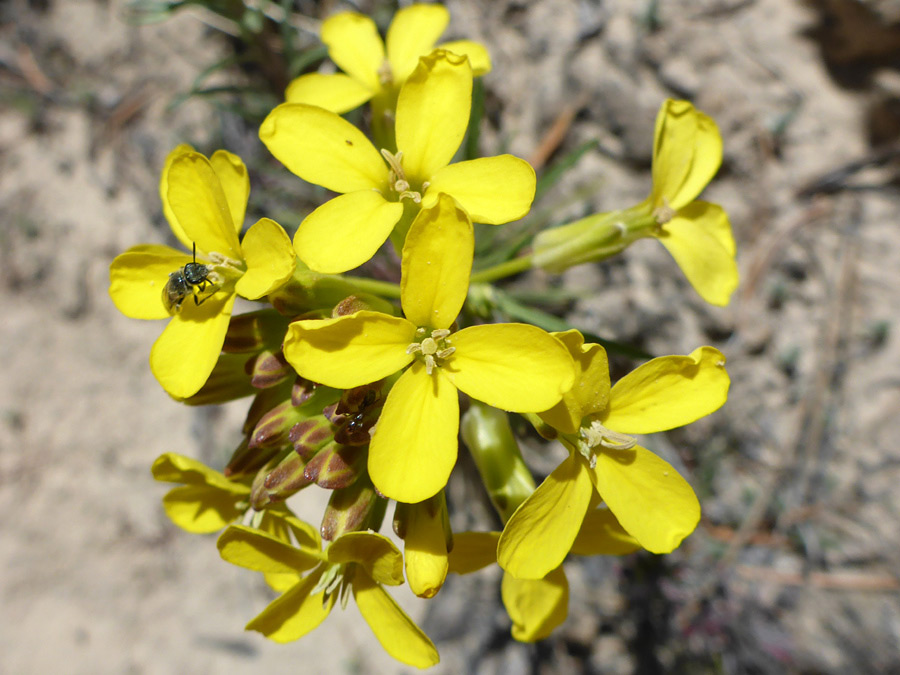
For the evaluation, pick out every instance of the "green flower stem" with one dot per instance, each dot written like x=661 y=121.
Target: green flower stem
x=384 y=289
x=592 y=239
x=487 y=434
x=504 y=269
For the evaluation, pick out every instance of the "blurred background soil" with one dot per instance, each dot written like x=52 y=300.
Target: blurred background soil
x=794 y=567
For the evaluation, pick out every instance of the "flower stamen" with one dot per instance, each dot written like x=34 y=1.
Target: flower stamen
x=598 y=436
x=663 y=213
x=433 y=348
x=397 y=177
x=385 y=74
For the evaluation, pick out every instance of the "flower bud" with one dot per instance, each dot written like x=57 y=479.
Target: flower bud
x=273 y=428
x=309 y=435
x=255 y=331
x=278 y=480
x=336 y=466
x=245 y=461
x=268 y=368
x=349 y=509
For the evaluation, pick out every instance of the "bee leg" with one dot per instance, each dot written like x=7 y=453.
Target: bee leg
x=202 y=287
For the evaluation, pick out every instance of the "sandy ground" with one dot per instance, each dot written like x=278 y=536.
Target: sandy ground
x=794 y=568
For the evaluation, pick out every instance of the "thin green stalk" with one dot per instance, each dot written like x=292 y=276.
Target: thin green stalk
x=384 y=289
x=504 y=269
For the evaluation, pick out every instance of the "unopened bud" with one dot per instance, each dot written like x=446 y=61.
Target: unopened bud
x=336 y=466
x=302 y=390
x=349 y=509
x=269 y=368
x=273 y=428
x=309 y=435
x=246 y=461
x=255 y=331
x=278 y=481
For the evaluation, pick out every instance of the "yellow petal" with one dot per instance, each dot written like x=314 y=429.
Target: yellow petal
x=687 y=152
x=668 y=392
x=433 y=113
x=270 y=259
x=323 y=148
x=649 y=498
x=400 y=637
x=179 y=150
x=473 y=551
x=510 y=366
x=437 y=259
x=699 y=238
x=355 y=46
x=346 y=231
x=414 y=446
x=336 y=92
x=137 y=279
x=201 y=509
x=540 y=533
x=295 y=613
x=235 y=184
x=256 y=550
x=185 y=354
x=590 y=393
x=198 y=202
x=492 y=190
x=281 y=523
x=173 y=468
x=351 y=350
x=425 y=547
x=412 y=34
x=535 y=606
x=478 y=56
x=374 y=552
x=601 y=534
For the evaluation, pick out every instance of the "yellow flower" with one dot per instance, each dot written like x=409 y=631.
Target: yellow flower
x=354 y=45
x=653 y=503
x=427 y=538
x=204 y=201
x=537 y=606
x=376 y=187
x=356 y=562
x=510 y=366
x=687 y=152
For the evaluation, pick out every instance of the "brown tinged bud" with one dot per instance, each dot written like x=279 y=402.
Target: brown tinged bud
x=263 y=402
x=302 y=391
x=268 y=368
x=273 y=428
x=336 y=466
x=246 y=461
x=278 y=480
x=309 y=435
x=350 y=509
x=356 y=414
x=255 y=331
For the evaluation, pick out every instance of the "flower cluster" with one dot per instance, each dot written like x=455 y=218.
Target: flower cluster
x=360 y=394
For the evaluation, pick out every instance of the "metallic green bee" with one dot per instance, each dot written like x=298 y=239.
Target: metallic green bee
x=192 y=279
